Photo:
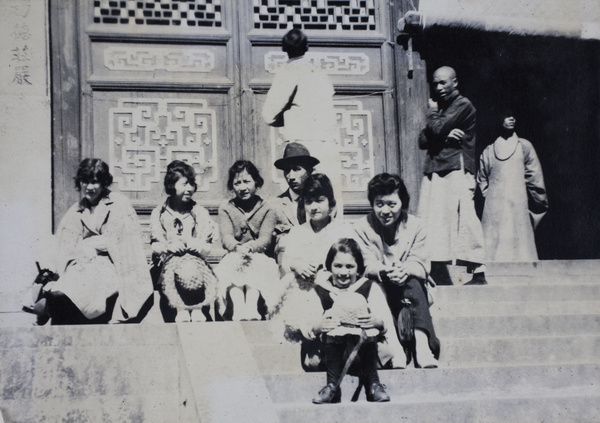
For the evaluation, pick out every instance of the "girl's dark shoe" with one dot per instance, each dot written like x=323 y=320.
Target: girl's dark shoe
x=478 y=279
x=328 y=395
x=376 y=393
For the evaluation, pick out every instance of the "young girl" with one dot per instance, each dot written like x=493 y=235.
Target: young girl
x=182 y=237
x=247 y=223
x=345 y=312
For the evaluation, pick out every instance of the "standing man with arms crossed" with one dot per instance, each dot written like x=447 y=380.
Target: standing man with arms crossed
x=446 y=203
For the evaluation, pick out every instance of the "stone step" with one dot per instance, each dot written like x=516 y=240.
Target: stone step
x=516 y=325
x=465 y=352
x=510 y=408
x=551 y=293
x=271 y=333
x=17 y=319
x=543 y=278
x=503 y=351
x=563 y=267
x=92 y=373
x=148 y=407
x=509 y=308
x=412 y=385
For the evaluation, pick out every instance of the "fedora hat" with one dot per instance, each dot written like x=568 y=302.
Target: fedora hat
x=296 y=153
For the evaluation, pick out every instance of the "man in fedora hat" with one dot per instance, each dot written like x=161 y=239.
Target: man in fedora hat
x=297 y=164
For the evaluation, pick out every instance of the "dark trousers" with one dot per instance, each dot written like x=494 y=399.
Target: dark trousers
x=414 y=291
x=336 y=354
x=63 y=312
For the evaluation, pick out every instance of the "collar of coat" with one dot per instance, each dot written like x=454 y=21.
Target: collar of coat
x=101 y=212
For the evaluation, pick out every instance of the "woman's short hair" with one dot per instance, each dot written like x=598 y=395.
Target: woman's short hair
x=93 y=169
x=239 y=167
x=350 y=246
x=386 y=183
x=316 y=185
x=294 y=43
x=176 y=170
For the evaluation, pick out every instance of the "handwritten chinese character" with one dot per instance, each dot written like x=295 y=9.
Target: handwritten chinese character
x=20 y=54
x=22 y=75
x=21 y=31
x=17 y=8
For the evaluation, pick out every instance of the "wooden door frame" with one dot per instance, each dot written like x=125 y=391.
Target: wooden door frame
x=66 y=104
x=72 y=94
x=412 y=93
x=382 y=40
x=73 y=86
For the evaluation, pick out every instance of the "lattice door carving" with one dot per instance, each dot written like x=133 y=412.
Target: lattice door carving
x=145 y=135
x=178 y=13
x=171 y=59
x=331 y=15
x=355 y=142
x=333 y=63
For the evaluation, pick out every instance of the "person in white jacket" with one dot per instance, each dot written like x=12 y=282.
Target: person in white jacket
x=300 y=104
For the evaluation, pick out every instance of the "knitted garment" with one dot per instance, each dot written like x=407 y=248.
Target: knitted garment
x=188 y=282
x=348 y=306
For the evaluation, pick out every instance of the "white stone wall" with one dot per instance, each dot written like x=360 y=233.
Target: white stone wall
x=25 y=142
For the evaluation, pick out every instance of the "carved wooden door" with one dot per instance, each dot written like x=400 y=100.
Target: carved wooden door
x=186 y=79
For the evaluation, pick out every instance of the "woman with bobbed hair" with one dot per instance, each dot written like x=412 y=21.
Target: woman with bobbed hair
x=248 y=275
x=306 y=245
x=182 y=238
x=393 y=244
x=101 y=255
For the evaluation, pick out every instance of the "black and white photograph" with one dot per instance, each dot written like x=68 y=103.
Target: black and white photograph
x=290 y=211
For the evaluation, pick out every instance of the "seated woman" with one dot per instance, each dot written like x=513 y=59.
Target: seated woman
x=306 y=245
x=182 y=236
x=304 y=249
x=247 y=223
x=102 y=264
x=344 y=312
x=393 y=243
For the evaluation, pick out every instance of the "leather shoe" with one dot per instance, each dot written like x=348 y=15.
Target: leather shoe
x=376 y=393
x=328 y=395
x=478 y=279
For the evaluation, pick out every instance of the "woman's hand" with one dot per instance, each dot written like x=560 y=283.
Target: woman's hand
x=85 y=254
x=87 y=250
x=243 y=249
x=198 y=247
x=176 y=247
x=400 y=272
x=369 y=321
x=326 y=324
x=304 y=269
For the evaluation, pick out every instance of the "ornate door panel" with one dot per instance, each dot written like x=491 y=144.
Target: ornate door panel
x=162 y=79
x=186 y=79
x=348 y=40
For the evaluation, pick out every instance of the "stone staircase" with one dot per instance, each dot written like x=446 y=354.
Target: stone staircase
x=525 y=348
